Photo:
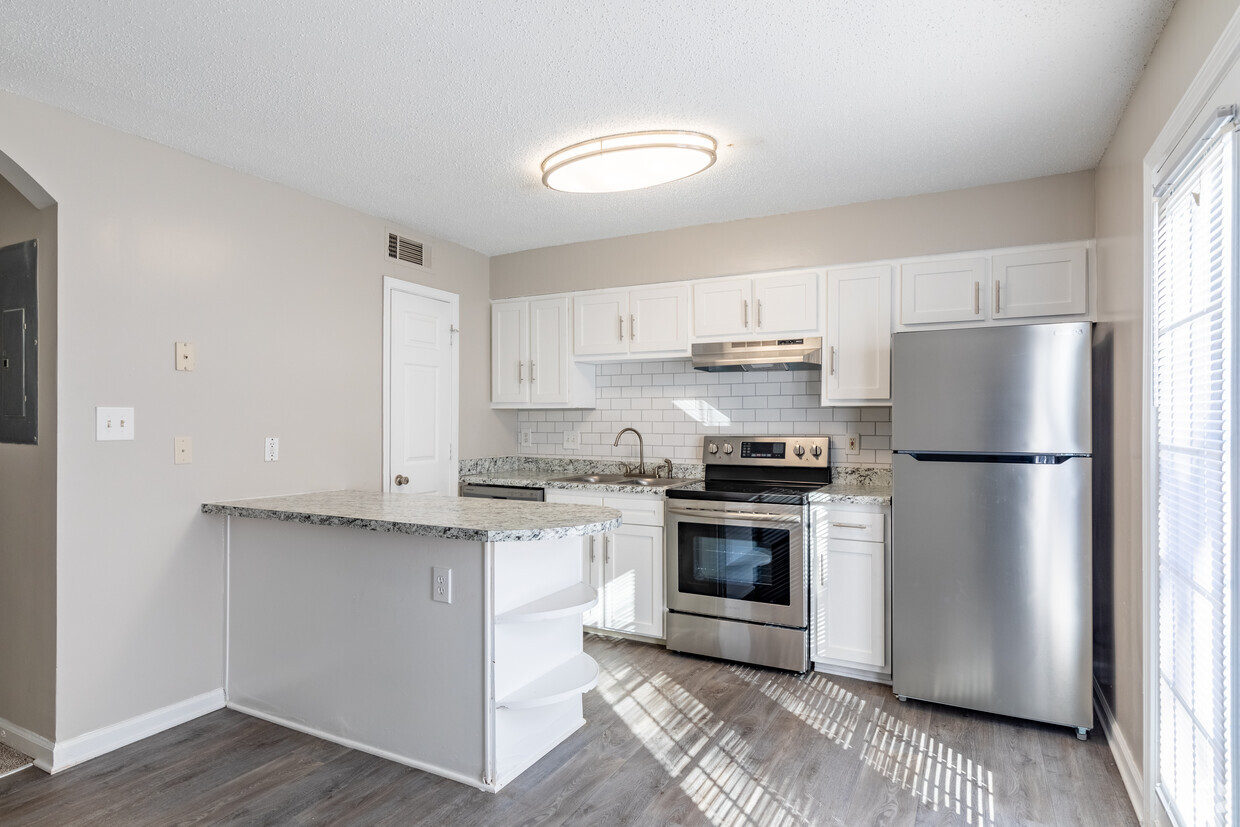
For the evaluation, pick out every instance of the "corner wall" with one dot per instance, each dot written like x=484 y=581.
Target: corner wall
x=282 y=295
x=28 y=505
x=1190 y=34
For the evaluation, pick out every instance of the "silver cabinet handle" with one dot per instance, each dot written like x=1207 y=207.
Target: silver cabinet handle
x=849 y=525
x=606 y=549
x=520 y=372
x=758 y=302
x=632 y=326
x=977 y=298
x=621 y=319
x=831 y=360
x=746 y=303
x=532 y=376
x=592 y=541
x=996 y=298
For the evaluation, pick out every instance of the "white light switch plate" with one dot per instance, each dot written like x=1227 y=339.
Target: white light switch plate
x=572 y=439
x=113 y=424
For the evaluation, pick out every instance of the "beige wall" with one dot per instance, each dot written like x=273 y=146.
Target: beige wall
x=282 y=295
x=1055 y=208
x=1190 y=34
x=28 y=505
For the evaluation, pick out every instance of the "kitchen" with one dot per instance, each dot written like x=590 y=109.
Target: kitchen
x=106 y=608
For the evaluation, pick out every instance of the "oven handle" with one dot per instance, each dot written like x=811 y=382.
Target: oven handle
x=739 y=515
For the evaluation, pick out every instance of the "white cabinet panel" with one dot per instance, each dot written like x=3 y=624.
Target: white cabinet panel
x=633 y=580
x=509 y=351
x=659 y=319
x=785 y=303
x=857 y=363
x=592 y=551
x=721 y=307
x=851 y=608
x=1040 y=283
x=600 y=323
x=548 y=362
x=943 y=291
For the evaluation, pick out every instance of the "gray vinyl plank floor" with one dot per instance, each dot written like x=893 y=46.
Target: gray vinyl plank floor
x=669 y=739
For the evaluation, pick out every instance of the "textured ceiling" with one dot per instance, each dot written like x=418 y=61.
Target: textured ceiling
x=435 y=114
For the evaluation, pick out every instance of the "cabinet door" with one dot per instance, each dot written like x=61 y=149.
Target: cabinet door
x=600 y=323
x=633 y=580
x=510 y=338
x=548 y=360
x=943 y=291
x=659 y=320
x=721 y=307
x=1040 y=283
x=851 y=611
x=858 y=358
x=785 y=303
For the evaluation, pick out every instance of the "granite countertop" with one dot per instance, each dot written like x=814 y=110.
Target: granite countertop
x=452 y=518
x=547 y=479
x=849 y=492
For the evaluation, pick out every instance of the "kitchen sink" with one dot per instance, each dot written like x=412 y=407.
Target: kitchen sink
x=621 y=479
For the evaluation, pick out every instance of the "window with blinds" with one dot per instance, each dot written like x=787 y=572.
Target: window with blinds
x=1194 y=392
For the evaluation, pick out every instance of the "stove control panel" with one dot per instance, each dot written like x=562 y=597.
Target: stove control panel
x=802 y=451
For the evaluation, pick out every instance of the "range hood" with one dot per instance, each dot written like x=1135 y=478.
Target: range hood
x=768 y=354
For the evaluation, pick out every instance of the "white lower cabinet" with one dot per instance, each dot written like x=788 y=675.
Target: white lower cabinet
x=625 y=565
x=850 y=631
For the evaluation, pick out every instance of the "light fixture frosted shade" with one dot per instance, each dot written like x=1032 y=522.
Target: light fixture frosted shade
x=628 y=162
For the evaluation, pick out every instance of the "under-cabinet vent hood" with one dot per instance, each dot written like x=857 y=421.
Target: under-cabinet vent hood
x=769 y=354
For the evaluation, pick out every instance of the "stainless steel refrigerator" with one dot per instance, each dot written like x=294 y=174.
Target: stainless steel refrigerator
x=991 y=520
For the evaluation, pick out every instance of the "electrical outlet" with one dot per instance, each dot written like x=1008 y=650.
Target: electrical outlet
x=182 y=450
x=854 y=444
x=113 y=424
x=572 y=439
x=441 y=584
x=271 y=450
x=525 y=438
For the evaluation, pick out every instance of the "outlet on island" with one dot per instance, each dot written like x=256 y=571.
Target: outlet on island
x=441 y=584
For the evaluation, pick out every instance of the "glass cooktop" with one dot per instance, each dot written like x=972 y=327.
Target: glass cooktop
x=746 y=491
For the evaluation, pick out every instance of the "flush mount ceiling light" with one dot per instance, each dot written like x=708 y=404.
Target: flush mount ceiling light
x=628 y=162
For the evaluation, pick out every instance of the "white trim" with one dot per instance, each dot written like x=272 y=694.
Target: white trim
x=27 y=743
x=74 y=751
x=1129 y=768
x=1187 y=115
x=367 y=748
x=454 y=302
x=227 y=602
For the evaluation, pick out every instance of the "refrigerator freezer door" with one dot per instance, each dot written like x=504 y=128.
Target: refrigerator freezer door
x=1016 y=389
x=991 y=574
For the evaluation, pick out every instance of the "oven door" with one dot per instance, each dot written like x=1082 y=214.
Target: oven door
x=744 y=561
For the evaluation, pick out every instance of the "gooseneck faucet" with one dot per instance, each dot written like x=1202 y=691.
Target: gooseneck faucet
x=641 y=450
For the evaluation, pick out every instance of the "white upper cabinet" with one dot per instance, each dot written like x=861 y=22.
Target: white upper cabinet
x=781 y=303
x=943 y=291
x=1040 y=283
x=530 y=358
x=620 y=322
x=996 y=287
x=857 y=358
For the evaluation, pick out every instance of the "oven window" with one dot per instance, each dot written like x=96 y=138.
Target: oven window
x=736 y=562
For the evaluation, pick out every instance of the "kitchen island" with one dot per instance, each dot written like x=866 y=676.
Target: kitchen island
x=439 y=632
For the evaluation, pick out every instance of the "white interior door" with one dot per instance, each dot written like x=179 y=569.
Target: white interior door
x=422 y=384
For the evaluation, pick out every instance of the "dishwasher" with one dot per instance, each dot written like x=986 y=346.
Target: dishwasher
x=501 y=492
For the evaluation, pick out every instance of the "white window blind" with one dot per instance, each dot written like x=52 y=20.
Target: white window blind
x=1194 y=398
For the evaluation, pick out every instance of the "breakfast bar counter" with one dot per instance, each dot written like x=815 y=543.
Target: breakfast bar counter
x=440 y=632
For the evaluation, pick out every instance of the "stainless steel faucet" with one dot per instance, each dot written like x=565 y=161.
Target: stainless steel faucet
x=641 y=453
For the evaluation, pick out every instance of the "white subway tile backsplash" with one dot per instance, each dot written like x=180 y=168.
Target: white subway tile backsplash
x=675 y=406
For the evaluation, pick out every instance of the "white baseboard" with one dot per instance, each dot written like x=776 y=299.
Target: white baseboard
x=1129 y=768
x=360 y=747
x=74 y=751
x=27 y=743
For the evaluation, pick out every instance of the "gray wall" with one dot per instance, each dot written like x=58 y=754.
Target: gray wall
x=28 y=505
x=1190 y=34
x=1051 y=209
x=282 y=295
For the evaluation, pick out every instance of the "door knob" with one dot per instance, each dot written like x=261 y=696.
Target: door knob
x=401 y=479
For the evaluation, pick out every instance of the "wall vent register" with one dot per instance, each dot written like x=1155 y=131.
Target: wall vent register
x=407 y=250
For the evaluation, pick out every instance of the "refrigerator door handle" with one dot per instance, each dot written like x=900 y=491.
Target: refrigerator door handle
x=1013 y=459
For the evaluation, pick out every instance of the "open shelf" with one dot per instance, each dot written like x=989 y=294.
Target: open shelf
x=574 y=600
x=578 y=675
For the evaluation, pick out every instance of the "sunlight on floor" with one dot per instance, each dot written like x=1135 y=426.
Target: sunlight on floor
x=713 y=759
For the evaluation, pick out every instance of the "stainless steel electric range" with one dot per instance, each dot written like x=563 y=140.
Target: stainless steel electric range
x=738 y=556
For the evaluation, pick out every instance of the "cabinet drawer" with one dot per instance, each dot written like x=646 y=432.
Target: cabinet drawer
x=852 y=525
x=557 y=495
x=638 y=509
